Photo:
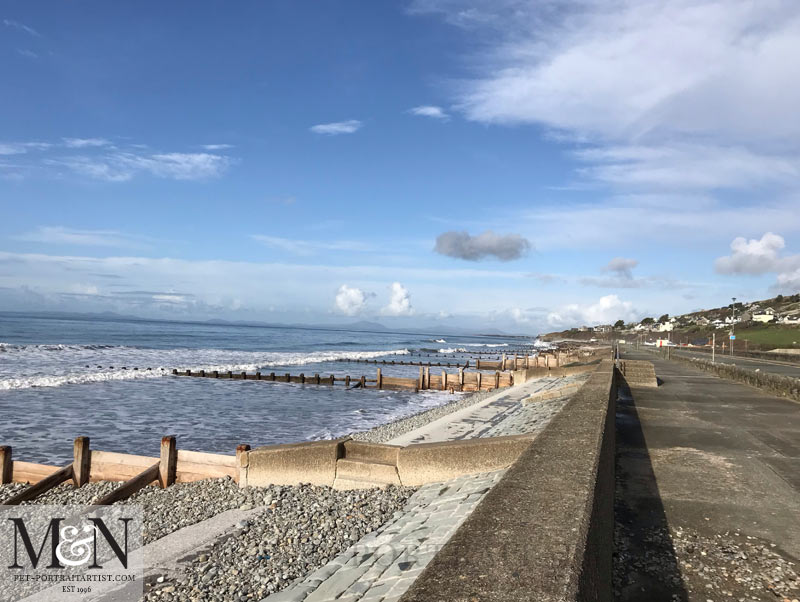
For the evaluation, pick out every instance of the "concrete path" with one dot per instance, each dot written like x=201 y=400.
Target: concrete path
x=484 y=418
x=710 y=457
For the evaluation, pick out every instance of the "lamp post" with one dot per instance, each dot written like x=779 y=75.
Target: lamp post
x=733 y=322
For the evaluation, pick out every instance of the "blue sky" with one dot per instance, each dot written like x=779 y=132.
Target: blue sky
x=524 y=165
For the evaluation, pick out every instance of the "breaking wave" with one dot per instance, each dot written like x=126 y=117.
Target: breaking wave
x=26 y=366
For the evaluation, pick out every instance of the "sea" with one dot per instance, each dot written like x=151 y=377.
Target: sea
x=111 y=380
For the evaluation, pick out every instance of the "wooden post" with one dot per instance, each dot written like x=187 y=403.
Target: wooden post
x=131 y=486
x=527 y=361
x=347 y=381
x=202 y=372
x=379 y=384
x=258 y=375
x=363 y=381
x=478 y=364
x=81 y=461
x=46 y=484
x=496 y=380
x=302 y=378
x=316 y=379
x=427 y=377
x=242 y=462
x=288 y=377
x=503 y=365
x=333 y=380
x=169 y=461
x=444 y=380
x=216 y=373
x=272 y=376
x=421 y=383
x=461 y=377
x=6 y=464
x=478 y=375
x=516 y=360
x=175 y=371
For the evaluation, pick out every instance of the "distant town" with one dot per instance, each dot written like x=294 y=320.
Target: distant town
x=765 y=324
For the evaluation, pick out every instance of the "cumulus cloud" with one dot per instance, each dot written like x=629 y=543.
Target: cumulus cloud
x=762 y=256
x=606 y=310
x=399 y=302
x=430 y=111
x=462 y=245
x=754 y=256
x=338 y=127
x=350 y=301
x=622 y=267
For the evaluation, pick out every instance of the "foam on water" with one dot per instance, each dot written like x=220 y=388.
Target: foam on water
x=25 y=366
x=452 y=350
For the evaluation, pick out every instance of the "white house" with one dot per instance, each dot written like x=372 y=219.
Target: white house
x=790 y=320
x=766 y=315
x=666 y=327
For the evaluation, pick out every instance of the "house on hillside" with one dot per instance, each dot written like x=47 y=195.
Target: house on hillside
x=666 y=327
x=790 y=320
x=765 y=315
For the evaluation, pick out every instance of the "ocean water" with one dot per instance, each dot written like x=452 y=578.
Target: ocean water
x=111 y=380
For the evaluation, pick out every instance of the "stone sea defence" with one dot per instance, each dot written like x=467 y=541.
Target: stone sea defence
x=545 y=531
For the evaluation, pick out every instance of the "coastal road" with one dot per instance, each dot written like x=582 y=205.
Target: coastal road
x=748 y=363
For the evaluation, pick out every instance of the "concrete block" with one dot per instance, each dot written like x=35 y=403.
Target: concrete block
x=293 y=463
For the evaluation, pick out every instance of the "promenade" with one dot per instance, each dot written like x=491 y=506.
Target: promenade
x=775 y=366
x=708 y=489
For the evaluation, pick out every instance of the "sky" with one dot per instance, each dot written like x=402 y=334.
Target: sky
x=523 y=166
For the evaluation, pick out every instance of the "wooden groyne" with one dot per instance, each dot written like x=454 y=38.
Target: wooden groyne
x=404 y=363
x=427 y=379
x=133 y=471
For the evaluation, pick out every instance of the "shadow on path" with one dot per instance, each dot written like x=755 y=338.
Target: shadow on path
x=645 y=562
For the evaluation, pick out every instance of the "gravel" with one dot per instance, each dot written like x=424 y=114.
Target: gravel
x=9 y=489
x=390 y=430
x=300 y=530
x=724 y=566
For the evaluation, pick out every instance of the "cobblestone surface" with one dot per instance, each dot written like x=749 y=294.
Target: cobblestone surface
x=382 y=565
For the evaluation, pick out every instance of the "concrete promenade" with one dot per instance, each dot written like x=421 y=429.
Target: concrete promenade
x=708 y=489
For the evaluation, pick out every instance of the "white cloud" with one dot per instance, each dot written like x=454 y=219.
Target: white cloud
x=308 y=247
x=85 y=142
x=121 y=167
x=350 y=301
x=216 y=147
x=20 y=148
x=752 y=256
x=21 y=27
x=430 y=111
x=72 y=236
x=762 y=256
x=338 y=127
x=702 y=113
x=28 y=54
x=399 y=302
x=608 y=309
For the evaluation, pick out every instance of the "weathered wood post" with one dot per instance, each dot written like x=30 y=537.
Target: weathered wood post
x=169 y=461
x=427 y=377
x=347 y=381
x=302 y=378
x=216 y=373
x=497 y=380
x=478 y=364
x=527 y=361
x=461 y=377
x=6 y=464
x=272 y=376
x=503 y=364
x=316 y=379
x=444 y=380
x=258 y=375
x=202 y=372
x=478 y=376
x=242 y=463
x=380 y=379
x=333 y=380
x=363 y=381
x=81 y=461
x=421 y=384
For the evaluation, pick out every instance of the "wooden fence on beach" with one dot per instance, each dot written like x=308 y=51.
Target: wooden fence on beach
x=461 y=381
x=135 y=472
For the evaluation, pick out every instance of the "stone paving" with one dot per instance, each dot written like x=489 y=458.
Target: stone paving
x=502 y=414
x=384 y=564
